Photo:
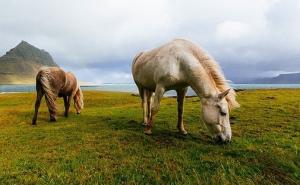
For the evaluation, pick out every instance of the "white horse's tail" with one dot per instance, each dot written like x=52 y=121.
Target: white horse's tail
x=44 y=77
x=135 y=59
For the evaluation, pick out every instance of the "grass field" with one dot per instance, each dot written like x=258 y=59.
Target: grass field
x=105 y=144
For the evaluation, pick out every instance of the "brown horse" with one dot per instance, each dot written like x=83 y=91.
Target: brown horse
x=53 y=82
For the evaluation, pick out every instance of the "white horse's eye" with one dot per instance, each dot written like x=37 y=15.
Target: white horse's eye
x=223 y=113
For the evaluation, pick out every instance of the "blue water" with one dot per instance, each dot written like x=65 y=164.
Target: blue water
x=132 y=87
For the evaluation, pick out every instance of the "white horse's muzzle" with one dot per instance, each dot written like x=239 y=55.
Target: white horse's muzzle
x=221 y=138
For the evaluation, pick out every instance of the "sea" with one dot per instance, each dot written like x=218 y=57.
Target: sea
x=133 y=89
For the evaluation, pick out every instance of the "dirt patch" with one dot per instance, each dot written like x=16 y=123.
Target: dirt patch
x=269 y=98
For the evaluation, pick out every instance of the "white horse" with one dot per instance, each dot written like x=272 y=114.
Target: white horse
x=175 y=66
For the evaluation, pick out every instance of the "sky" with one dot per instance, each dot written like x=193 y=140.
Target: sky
x=97 y=39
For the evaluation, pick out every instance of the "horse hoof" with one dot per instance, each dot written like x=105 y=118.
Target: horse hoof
x=52 y=119
x=148 y=132
x=183 y=132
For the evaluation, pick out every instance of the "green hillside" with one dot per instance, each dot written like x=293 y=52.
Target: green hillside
x=21 y=64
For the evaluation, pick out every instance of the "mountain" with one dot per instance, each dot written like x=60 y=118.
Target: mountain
x=290 y=78
x=21 y=64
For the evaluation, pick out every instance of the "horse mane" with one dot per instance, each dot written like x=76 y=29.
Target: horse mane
x=216 y=74
x=78 y=98
x=43 y=80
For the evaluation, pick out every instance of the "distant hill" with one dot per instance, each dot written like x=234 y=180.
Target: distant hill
x=21 y=64
x=291 y=78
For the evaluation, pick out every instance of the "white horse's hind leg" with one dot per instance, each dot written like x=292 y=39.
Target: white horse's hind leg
x=180 y=99
x=159 y=92
x=149 y=102
x=145 y=106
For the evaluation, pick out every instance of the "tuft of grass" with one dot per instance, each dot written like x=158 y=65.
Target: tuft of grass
x=105 y=144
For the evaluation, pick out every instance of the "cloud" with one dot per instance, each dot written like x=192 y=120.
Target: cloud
x=97 y=39
x=230 y=30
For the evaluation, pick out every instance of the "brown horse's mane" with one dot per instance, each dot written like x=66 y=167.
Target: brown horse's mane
x=215 y=73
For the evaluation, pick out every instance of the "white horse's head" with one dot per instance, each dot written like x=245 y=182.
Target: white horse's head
x=216 y=116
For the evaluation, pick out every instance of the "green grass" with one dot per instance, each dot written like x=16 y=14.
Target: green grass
x=105 y=144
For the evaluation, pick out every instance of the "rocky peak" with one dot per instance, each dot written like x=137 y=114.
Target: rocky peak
x=26 y=51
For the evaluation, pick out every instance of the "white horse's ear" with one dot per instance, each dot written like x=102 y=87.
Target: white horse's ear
x=223 y=94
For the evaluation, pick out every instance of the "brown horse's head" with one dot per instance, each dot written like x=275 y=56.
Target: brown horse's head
x=78 y=100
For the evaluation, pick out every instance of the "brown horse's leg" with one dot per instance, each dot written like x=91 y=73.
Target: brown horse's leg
x=72 y=97
x=52 y=115
x=180 y=99
x=67 y=105
x=159 y=92
x=39 y=97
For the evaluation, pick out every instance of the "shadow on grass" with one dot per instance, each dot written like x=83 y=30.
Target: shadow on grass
x=162 y=134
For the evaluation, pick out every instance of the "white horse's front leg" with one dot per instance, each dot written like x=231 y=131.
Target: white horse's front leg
x=159 y=92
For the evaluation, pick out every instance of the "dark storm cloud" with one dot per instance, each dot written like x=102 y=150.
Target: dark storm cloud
x=98 y=39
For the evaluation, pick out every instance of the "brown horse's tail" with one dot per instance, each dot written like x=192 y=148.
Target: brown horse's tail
x=43 y=80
